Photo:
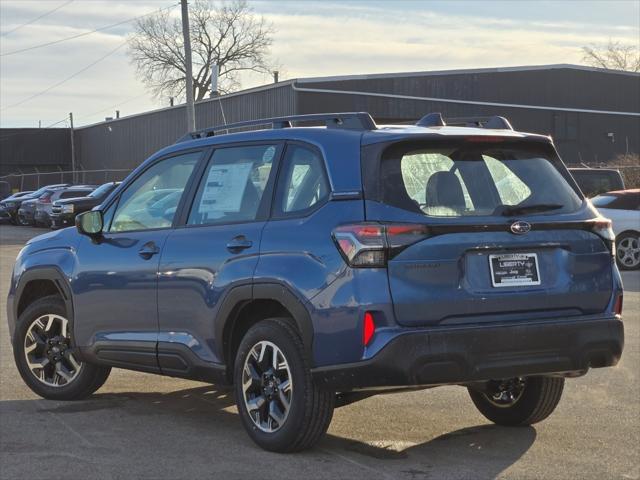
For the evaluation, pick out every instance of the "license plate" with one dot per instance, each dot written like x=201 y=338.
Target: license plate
x=514 y=269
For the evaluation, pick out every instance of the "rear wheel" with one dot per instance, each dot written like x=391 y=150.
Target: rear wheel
x=628 y=251
x=281 y=407
x=45 y=357
x=518 y=401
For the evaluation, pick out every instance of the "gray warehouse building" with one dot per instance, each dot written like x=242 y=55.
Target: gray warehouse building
x=593 y=114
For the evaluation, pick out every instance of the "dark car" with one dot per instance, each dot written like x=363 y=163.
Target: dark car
x=311 y=267
x=594 y=181
x=44 y=204
x=11 y=207
x=29 y=208
x=7 y=205
x=63 y=212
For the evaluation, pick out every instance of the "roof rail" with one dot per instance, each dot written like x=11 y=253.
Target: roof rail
x=494 y=122
x=345 y=121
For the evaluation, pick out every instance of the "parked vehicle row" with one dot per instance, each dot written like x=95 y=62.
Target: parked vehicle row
x=53 y=206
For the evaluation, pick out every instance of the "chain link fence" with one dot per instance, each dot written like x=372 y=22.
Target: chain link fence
x=33 y=181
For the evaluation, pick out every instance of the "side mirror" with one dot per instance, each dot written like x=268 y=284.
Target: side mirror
x=90 y=223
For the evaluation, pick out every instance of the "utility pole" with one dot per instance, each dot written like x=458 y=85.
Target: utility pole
x=191 y=114
x=73 y=150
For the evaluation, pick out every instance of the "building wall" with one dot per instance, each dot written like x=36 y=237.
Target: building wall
x=580 y=136
x=126 y=142
x=22 y=149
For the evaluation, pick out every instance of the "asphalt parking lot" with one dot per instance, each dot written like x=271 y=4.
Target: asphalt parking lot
x=141 y=426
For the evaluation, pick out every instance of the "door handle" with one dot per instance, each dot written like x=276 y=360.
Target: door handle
x=148 y=250
x=239 y=243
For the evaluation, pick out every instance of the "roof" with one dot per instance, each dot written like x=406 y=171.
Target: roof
x=339 y=78
x=468 y=71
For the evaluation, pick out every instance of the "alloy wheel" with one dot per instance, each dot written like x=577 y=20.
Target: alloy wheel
x=48 y=352
x=628 y=251
x=267 y=386
x=505 y=393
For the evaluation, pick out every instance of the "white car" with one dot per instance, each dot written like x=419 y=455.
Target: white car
x=623 y=208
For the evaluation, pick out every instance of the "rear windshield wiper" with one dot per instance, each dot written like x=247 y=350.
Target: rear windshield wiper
x=507 y=210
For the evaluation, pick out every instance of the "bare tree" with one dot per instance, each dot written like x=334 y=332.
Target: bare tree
x=227 y=34
x=613 y=56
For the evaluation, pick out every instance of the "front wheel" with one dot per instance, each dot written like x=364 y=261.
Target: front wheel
x=45 y=356
x=281 y=407
x=518 y=401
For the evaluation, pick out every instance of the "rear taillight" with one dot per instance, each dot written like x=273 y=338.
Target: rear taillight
x=617 y=307
x=372 y=244
x=602 y=228
x=45 y=199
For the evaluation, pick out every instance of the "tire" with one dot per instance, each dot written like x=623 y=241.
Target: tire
x=536 y=402
x=310 y=408
x=628 y=251
x=84 y=379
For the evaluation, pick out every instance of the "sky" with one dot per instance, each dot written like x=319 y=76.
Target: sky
x=312 y=38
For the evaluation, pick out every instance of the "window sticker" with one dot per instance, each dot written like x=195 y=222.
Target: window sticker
x=224 y=189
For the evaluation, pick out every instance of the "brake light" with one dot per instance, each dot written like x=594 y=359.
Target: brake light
x=602 y=228
x=371 y=245
x=368 y=328
x=46 y=198
x=617 y=308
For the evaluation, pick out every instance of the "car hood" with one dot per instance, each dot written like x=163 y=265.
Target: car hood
x=84 y=201
x=66 y=238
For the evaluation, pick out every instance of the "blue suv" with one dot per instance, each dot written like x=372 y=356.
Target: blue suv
x=312 y=266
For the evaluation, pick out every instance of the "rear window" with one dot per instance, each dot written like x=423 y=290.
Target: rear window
x=594 y=182
x=473 y=180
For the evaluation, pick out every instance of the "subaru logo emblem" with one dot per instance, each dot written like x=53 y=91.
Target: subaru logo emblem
x=520 y=228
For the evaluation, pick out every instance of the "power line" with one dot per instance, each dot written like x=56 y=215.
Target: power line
x=111 y=52
x=84 y=33
x=37 y=18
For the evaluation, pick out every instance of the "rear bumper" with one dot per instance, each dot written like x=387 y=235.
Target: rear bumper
x=449 y=355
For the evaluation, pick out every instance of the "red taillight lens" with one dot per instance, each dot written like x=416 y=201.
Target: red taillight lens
x=371 y=245
x=617 y=308
x=45 y=199
x=368 y=328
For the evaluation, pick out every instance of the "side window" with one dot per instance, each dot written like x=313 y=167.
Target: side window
x=302 y=183
x=233 y=184
x=152 y=199
x=511 y=189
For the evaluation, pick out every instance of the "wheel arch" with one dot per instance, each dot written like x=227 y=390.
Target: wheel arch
x=246 y=305
x=40 y=282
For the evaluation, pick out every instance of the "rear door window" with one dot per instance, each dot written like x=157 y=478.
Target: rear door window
x=458 y=180
x=233 y=185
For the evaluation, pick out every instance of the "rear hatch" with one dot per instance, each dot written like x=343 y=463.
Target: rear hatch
x=501 y=232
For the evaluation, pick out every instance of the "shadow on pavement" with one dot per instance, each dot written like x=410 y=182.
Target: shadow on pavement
x=208 y=414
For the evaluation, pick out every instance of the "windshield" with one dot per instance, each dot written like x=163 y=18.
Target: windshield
x=474 y=180
x=101 y=190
